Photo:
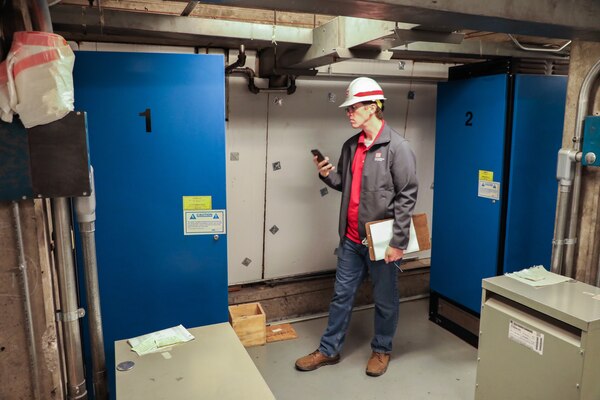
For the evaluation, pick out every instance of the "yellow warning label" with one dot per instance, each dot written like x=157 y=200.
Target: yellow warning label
x=197 y=202
x=486 y=175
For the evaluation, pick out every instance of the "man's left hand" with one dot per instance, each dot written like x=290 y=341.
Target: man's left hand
x=393 y=254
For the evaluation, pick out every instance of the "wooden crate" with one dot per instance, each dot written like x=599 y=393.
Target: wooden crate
x=249 y=323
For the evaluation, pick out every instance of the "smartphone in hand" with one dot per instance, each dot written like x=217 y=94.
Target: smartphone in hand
x=317 y=153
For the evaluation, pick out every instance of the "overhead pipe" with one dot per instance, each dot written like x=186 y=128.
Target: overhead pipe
x=290 y=89
x=538 y=49
x=85 y=209
x=238 y=67
x=240 y=62
x=569 y=176
x=31 y=340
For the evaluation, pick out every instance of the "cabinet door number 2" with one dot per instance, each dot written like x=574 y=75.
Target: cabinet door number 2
x=469 y=116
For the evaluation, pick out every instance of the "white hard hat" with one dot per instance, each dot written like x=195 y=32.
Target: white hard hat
x=362 y=89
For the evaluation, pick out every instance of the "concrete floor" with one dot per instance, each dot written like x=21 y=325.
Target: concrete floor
x=427 y=363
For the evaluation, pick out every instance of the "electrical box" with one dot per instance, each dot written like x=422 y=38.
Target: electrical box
x=45 y=161
x=591 y=142
x=538 y=343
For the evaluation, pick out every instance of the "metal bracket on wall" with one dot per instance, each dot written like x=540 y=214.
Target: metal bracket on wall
x=70 y=316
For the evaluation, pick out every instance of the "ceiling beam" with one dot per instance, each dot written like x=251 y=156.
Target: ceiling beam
x=87 y=23
x=574 y=19
x=297 y=48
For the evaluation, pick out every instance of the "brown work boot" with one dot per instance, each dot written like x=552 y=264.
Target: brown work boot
x=315 y=360
x=378 y=364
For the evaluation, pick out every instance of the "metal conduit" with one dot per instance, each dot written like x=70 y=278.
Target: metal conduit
x=85 y=208
x=88 y=244
x=40 y=15
x=570 y=188
x=33 y=358
x=562 y=206
x=70 y=313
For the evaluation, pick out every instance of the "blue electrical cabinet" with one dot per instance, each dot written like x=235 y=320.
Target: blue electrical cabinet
x=156 y=134
x=497 y=140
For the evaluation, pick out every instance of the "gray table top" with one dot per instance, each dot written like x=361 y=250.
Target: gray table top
x=214 y=365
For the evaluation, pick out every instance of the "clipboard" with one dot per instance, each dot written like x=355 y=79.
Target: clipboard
x=379 y=234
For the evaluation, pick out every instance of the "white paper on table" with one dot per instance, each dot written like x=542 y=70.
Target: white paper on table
x=156 y=341
x=537 y=276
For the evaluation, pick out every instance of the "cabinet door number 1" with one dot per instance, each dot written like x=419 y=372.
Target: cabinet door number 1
x=469 y=116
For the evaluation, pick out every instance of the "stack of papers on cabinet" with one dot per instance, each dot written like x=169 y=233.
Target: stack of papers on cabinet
x=537 y=276
x=157 y=341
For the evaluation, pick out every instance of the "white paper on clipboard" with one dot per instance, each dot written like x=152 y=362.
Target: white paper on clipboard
x=381 y=234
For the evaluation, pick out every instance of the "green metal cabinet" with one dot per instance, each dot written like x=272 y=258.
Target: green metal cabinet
x=538 y=343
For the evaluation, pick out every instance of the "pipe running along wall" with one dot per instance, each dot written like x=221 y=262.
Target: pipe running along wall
x=85 y=208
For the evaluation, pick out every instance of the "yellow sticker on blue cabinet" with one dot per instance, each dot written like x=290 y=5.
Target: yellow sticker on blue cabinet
x=197 y=202
x=486 y=175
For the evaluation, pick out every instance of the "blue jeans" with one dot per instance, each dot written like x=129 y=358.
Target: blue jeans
x=353 y=262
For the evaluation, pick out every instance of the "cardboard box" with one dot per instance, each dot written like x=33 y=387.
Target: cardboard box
x=249 y=323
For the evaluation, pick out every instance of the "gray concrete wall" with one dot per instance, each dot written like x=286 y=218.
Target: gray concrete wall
x=583 y=56
x=15 y=372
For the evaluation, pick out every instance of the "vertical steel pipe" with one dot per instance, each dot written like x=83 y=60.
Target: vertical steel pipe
x=40 y=15
x=70 y=313
x=558 y=243
x=85 y=208
x=33 y=358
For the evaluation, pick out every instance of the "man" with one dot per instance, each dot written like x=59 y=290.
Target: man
x=376 y=174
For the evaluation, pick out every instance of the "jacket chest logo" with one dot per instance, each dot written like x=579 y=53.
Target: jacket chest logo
x=378 y=157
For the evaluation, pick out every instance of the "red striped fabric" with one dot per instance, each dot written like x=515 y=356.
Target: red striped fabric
x=35 y=60
x=38 y=39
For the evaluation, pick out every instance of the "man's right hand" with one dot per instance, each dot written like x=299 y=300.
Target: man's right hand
x=324 y=167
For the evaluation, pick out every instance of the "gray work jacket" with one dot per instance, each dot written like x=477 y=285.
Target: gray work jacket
x=388 y=188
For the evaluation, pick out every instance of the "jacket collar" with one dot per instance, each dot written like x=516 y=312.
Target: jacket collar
x=385 y=136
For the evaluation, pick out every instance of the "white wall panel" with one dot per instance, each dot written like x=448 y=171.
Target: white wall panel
x=307 y=221
x=246 y=139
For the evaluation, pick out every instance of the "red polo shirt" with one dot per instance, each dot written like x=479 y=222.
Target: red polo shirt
x=357 y=169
